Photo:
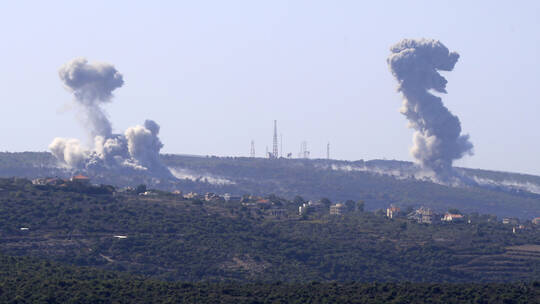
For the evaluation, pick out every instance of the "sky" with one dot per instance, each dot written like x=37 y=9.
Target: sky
x=216 y=74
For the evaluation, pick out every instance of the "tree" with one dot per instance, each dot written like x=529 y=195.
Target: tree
x=360 y=206
x=454 y=211
x=350 y=205
x=326 y=202
x=140 y=189
x=298 y=200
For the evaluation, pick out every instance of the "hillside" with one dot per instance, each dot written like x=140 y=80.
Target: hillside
x=379 y=182
x=38 y=281
x=167 y=237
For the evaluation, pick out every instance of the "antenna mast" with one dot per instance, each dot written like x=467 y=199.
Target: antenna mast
x=328 y=151
x=275 y=144
x=304 y=152
x=281 y=144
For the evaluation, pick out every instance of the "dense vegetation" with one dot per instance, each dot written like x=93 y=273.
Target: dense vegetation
x=25 y=280
x=312 y=179
x=172 y=238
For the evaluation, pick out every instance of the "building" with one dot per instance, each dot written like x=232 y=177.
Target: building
x=53 y=181
x=81 y=179
x=392 y=211
x=422 y=215
x=230 y=198
x=536 y=221
x=337 y=209
x=148 y=193
x=191 y=195
x=311 y=205
x=39 y=181
x=278 y=212
x=510 y=221
x=449 y=217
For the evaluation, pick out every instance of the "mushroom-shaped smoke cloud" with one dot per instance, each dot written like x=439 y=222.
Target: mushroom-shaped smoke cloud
x=138 y=149
x=92 y=85
x=437 y=141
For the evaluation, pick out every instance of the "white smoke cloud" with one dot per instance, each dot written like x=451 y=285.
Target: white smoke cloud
x=138 y=148
x=437 y=141
x=198 y=177
x=143 y=143
x=69 y=151
x=510 y=184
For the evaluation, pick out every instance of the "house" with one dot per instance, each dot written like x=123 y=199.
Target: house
x=422 y=215
x=317 y=206
x=311 y=205
x=212 y=197
x=263 y=201
x=230 y=198
x=510 y=220
x=392 y=211
x=191 y=195
x=39 y=181
x=536 y=221
x=337 y=209
x=278 y=212
x=450 y=217
x=81 y=179
x=54 y=181
x=149 y=193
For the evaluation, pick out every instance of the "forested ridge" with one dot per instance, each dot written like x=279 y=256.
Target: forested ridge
x=30 y=280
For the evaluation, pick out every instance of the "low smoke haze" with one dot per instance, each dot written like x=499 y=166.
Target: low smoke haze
x=216 y=75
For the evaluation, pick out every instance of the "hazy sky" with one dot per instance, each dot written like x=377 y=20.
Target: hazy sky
x=215 y=74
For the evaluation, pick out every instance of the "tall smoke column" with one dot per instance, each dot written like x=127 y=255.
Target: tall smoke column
x=92 y=84
x=437 y=141
x=135 y=151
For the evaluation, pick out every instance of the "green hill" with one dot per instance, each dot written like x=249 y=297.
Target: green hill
x=24 y=280
x=170 y=238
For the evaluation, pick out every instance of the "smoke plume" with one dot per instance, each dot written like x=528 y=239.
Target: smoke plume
x=437 y=140
x=92 y=85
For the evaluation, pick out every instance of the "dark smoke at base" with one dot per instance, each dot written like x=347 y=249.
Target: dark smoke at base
x=437 y=141
x=134 y=152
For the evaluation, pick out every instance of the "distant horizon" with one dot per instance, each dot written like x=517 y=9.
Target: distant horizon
x=311 y=158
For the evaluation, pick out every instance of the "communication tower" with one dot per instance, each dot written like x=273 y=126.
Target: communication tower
x=304 y=153
x=275 y=144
